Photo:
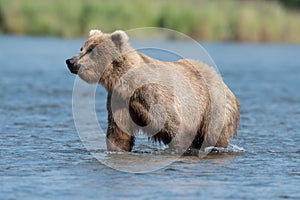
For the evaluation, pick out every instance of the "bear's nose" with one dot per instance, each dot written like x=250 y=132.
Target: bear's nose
x=69 y=62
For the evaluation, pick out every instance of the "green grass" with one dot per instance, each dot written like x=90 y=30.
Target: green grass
x=230 y=20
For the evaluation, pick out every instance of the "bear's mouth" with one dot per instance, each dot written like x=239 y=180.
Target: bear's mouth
x=74 y=71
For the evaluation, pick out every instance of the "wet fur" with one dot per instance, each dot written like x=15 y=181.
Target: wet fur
x=113 y=57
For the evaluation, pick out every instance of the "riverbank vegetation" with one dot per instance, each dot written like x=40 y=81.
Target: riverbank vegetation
x=209 y=20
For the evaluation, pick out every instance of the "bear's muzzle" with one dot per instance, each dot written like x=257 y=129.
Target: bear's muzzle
x=71 y=66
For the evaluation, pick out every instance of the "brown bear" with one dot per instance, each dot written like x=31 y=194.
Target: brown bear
x=184 y=104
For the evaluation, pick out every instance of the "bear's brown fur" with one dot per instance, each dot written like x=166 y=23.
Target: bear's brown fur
x=213 y=113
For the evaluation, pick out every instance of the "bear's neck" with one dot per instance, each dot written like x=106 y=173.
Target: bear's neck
x=118 y=68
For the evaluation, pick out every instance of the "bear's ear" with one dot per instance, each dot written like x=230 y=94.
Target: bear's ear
x=119 y=37
x=95 y=32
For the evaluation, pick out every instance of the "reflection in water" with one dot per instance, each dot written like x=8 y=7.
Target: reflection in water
x=148 y=158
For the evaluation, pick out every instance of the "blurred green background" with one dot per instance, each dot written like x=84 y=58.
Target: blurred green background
x=206 y=20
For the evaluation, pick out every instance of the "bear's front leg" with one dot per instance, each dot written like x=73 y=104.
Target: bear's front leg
x=118 y=140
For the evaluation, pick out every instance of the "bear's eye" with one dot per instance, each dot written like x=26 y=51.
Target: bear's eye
x=89 y=49
x=81 y=49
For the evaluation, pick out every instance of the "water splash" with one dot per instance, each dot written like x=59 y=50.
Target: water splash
x=230 y=149
x=147 y=149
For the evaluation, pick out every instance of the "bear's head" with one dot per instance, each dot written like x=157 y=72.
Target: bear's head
x=98 y=52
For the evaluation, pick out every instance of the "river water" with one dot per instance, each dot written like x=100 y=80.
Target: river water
x=43 y=157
